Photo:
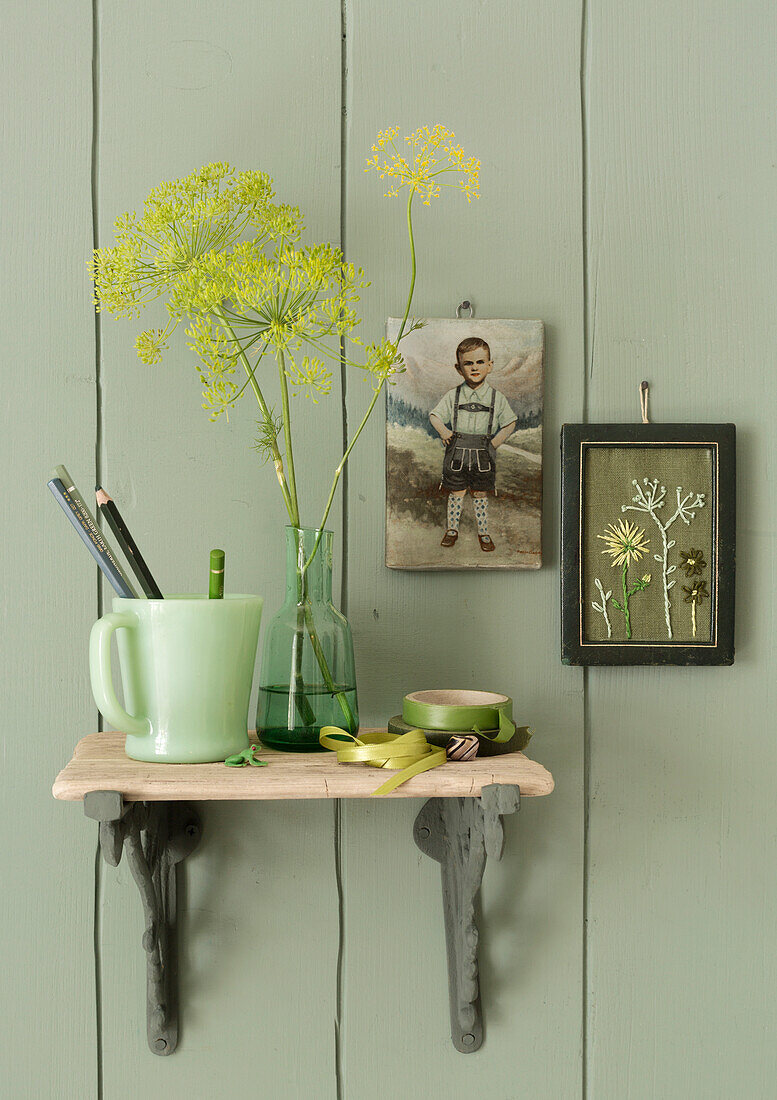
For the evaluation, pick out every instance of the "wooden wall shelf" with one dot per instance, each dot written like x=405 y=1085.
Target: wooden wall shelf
x=145 y=811
x=99 y=763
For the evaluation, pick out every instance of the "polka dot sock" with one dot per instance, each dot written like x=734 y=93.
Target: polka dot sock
x=481 y=514
x=454 y=512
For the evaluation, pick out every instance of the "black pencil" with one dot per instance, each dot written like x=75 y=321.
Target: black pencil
x=127 y=543
x=94 y=541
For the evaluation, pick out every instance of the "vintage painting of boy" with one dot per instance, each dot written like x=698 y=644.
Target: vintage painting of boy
x=464 y=447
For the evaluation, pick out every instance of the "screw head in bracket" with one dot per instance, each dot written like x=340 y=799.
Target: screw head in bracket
x=468 y=1039
x=160 y=1045
x=423 y=832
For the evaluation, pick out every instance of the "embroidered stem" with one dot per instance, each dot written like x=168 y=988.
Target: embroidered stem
x=693 y=616
x=603 y=605
x=649 y=499
x=626 y=599
x=665 y=578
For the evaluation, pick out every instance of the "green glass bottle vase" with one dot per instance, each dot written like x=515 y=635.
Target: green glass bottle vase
x=307 y=676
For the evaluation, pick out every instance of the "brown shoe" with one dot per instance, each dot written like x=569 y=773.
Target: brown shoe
x=449 y=538
x=486 y=543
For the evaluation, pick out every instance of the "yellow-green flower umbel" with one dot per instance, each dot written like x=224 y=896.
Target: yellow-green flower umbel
x=184 y=222
x=432 y=161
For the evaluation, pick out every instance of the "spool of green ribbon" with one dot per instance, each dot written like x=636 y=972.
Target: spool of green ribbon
x=485 y=712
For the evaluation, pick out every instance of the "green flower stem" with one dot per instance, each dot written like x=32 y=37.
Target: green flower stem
x=292 y=481
x=301 y=701
x=338 y=472
x=351 y=445
x=277 y=460
x=341 y=697
x=626 y=594
x=693 y=616
x=309 y=622
x=305 y=621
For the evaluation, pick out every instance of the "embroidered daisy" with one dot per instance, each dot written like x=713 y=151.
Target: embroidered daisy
x=626 y=542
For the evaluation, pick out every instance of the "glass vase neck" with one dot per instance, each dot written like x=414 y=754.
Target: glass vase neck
x=315 y=582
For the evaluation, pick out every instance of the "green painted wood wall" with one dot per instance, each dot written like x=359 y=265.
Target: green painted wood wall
x=628 y=181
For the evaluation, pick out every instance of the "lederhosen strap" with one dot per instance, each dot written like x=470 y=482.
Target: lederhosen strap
x=483 y=407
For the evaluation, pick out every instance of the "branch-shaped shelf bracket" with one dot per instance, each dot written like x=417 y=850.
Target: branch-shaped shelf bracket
x=156 y=836
x=460 y=833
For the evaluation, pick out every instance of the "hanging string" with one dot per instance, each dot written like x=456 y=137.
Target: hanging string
x=644 y=389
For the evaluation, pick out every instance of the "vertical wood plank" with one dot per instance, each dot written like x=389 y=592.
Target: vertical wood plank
x=47 y=1040
x=505 y=79
x=184 y=84
x=680 y=100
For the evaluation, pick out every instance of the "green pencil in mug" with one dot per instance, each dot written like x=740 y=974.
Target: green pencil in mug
x=216 y=584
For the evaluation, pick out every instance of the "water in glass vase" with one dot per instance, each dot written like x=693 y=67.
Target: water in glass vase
x=307 y=679
x=284 y=712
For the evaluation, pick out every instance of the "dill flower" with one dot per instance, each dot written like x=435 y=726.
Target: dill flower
x=432 y=156
x=163 y=251
x=310 y=377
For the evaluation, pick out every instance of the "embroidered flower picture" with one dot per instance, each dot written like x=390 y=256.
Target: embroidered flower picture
x=627 y=489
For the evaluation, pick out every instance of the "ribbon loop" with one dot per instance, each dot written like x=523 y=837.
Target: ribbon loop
x=410 y=752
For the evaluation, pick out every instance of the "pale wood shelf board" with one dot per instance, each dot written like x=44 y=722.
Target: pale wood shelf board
x=99 y=763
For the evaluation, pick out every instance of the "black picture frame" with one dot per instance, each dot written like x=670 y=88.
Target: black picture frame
x=576 y=648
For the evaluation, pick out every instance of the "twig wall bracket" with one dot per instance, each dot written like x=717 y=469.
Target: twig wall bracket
x=156 y=837
x=460 y=833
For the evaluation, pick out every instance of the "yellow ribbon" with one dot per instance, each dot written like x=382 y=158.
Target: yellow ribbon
x=410 y=752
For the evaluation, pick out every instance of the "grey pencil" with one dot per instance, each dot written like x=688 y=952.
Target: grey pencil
x=61 y=473
x=96 y=547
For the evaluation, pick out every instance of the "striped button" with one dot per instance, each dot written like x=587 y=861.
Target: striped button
x=462 y=747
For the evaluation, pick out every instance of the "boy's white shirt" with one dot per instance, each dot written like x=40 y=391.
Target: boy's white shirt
x=474 y=423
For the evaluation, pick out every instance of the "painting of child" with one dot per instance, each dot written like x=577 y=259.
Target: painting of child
x=465 y=420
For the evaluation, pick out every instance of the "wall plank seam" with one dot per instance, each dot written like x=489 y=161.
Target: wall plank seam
x=98 y=441
x=339 y=822
x=587 y=369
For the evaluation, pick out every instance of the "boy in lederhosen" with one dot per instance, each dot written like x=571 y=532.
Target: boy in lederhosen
x=480 y=421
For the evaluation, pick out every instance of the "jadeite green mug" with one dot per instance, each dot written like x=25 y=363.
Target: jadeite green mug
x=187 y=664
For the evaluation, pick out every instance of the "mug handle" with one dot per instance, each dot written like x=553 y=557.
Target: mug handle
x=101 y=677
